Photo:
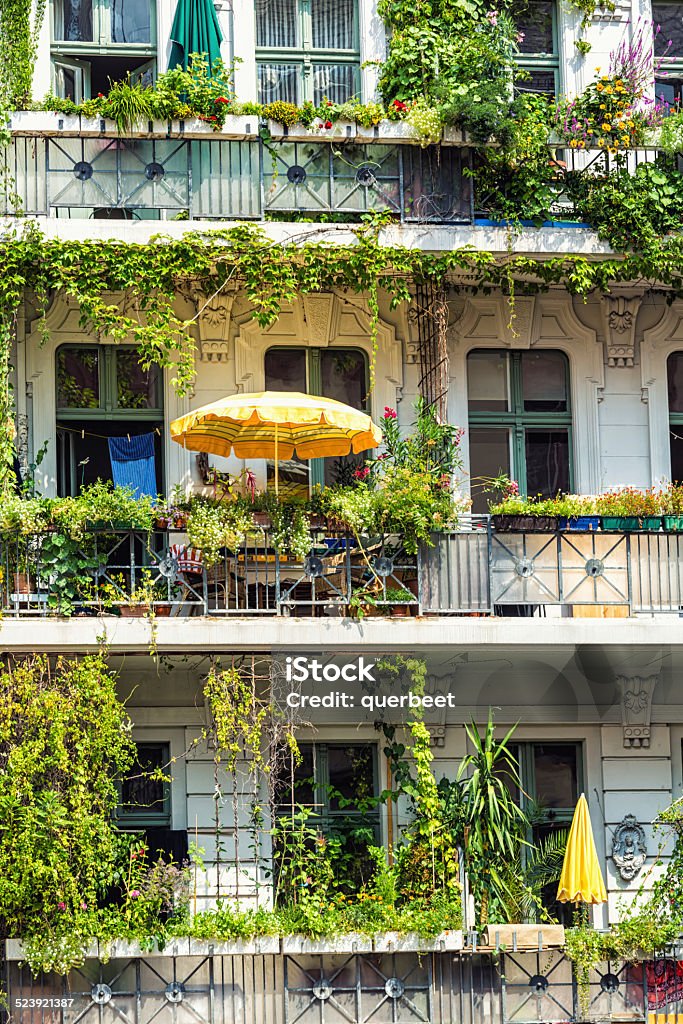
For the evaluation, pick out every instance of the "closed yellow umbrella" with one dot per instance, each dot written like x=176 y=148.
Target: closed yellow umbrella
x=276 y=425
x=581 y=879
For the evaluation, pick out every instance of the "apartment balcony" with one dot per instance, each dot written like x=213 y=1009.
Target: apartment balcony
x=476 y=570
x=77 y=168
x=255 y=981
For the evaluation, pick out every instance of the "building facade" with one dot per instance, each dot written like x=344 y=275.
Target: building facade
x=573 y=636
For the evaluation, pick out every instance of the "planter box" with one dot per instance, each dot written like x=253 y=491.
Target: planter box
x=629 y=524
x=36 y=122
x=525 y=524
x=96 y=126
x=388 y=132
x=673 y=524
x=454 y=137
x=524 y=936
x=259 y=946
x=395 y=942
x=582 y=524
x=351 y=943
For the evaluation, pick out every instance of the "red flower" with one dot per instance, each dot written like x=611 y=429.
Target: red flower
x=221 y=99
x=100 y=95
x=400 y=105
x=329 y=103
x=389 y=413
x=361 y=474
x=328 y=124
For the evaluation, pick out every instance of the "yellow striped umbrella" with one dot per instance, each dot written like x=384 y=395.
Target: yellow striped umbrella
x=276 y=425
x=581 y=879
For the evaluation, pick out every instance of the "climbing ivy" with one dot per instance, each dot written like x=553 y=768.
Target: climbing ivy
x=20 y=25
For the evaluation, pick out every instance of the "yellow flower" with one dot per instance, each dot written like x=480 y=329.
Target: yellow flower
x=601 y=142
x=608 y=89
x=599 y=87
x=625 y=139
x=582 y=144
x=573 y=143
x=598 y=70
x=602 y=106
x=631 y=124
x=606 y=127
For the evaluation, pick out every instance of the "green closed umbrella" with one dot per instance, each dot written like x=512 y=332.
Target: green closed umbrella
x=195 y=30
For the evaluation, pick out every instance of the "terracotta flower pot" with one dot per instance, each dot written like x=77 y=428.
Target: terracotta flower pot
x=23 y=583
x=133 y=611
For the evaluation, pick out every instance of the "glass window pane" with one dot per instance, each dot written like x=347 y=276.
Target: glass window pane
x=488 y=381
x=541 y=82
x=141 y=795
x=669 y=19
x=544 y=382
x=334 y=24
x=73 y=21
x=136 y=388
x=278 y=82
x=675 y=380
x=556 y=774
x=276 y=23
x=285 y=370
x=351 y=775
x=535 y=22
x=335 y=82
x=547 y=462
x=669 y=90
x=78 y=378
x=677 y=454
x=302 y=777
x=131 y=21
x=343 y=377
x=489 y=457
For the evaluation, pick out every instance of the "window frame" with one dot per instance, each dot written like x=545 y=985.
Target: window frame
x=101 y=44
x=675 y=418
x=145 y=818
x=108 y=408
x=305 y=57
x=541 y=61
x=313 y=358
x=516 y=420
x=671 y=66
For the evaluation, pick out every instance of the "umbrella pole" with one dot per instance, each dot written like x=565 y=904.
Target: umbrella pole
x=277 y=480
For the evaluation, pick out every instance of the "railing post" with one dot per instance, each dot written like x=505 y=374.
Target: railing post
x=489 y=563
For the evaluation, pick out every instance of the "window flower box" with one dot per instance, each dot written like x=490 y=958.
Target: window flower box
x=673 y=524
x=353 y=942
x=580 y=524
x=630 y=524
x=525 y=523
x=396 y=942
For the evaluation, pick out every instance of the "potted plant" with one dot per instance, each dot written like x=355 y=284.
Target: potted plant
x=629 y=509
x=523 y=515
x=671 y=504
x=399 y=600
x=577 y=513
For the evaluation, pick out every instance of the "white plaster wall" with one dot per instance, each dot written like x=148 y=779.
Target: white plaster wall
x=624 y=418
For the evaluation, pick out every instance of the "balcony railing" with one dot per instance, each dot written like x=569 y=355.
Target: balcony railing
x=249 y=179
x=474 y=570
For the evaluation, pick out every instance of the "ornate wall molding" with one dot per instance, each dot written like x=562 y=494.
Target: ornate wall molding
x=213 y=313
x=619 y=316
x=635 y=695
x=629 y=847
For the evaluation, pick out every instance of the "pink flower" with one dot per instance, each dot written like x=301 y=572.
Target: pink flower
x=84 y=906
x=135 y=893
x=389 y=413
x=492 y=18
x=362 y=474
x=61 y=906
x=520 y=37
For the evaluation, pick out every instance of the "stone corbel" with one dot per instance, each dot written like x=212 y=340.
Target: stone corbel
x=319 y=310
x=213 y=322
x=629 y=847
x=635 y=695
x=619 y=317
x=518 y=330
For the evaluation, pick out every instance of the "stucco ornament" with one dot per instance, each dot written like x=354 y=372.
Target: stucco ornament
x=629 y=848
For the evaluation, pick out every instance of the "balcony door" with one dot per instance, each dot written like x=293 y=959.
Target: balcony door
x=339 y=373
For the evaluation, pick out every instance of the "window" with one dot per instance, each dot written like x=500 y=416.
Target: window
x=519 y=421
x=338 y=782
x=94 y=41
x=145 y=797
x=674 y=368
x=102 y=392
x=339 y=373
x=551 y=777
x=668 y=58
x=307 y=50
x=538 y=55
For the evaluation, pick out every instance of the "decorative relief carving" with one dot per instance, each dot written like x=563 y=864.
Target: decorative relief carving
x=213 y=322
x=318 y=312
x=619 y=315
x=518 y=330
x=629 y=848
x=636 y=708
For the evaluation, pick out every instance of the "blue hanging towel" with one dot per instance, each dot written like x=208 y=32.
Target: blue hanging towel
x=132 y=463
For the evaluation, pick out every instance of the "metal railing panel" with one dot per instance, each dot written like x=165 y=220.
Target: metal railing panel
x=454 y=572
